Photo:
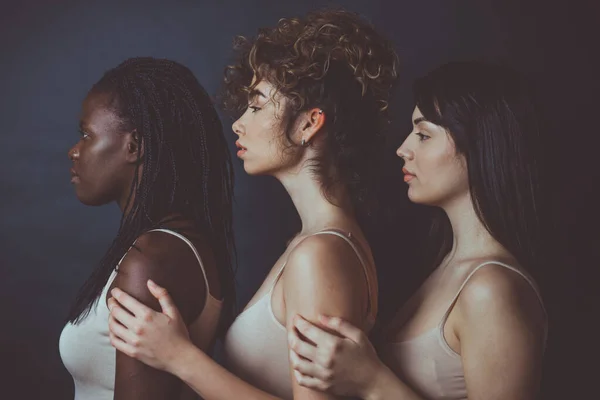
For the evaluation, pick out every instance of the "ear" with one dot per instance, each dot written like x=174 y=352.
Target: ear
x=312 y=124
x=134 y=147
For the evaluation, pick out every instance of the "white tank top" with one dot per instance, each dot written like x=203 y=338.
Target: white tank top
x=89 y=357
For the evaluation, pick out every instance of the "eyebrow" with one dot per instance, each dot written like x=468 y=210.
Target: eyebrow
x=254 y=93
x=419 y=120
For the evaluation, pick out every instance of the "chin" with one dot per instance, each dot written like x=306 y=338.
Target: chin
x=251 y=171
x=256 y=170
x=89 y=200
x=419 y=198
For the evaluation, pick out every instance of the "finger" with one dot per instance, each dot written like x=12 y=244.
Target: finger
x=312 y=332
x=301 y=347
x=166 y=303
x=342 y=327
x=131 y=304
x=310 y=382
x=308 y=368
x=121 y=332
x=122 y=346
x=119 y=314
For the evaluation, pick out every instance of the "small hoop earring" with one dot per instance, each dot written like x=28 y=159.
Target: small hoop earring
x=320 y=111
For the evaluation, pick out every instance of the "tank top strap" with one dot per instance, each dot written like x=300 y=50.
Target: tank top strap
x=372 y=306
x=516 y=270
x=191 y=245
x=180 y=236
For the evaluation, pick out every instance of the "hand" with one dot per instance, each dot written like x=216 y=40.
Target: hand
x=345 y=366
x=154 y=338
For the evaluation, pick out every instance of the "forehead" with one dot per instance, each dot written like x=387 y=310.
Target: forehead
x=96 y=113
x=264 y=87
x=416 y=113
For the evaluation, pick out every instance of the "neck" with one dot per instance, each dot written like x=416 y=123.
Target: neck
x=316 y=212
x=470 y=237
x=128 y=177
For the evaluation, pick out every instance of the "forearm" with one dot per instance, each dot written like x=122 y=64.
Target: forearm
x=387 y=385
x=210 y=380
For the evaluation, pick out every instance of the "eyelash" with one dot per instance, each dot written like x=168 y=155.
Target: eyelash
x=83 y=135
x=254 y=108
x=422 y=137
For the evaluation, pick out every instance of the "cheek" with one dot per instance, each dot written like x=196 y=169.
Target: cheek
x=99 y=175
x=442 y=176
x=270 y=149
x=269 y=157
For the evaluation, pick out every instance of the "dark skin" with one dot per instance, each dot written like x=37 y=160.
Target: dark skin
x=104 y=163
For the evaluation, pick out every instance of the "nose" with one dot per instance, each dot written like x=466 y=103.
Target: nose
x=73 y=153
x=405 y=152
x=237 y=127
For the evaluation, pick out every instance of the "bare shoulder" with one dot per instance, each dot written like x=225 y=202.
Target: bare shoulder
x=497 y=290
x=323 y=275
x=157 y=253
x=324 y=256
x=171 y=263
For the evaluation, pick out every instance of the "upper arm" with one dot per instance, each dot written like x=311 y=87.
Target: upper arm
x=323 y=275
x=501 y=330
x=165 y=260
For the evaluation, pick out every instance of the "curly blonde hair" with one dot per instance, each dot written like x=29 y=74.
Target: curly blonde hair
x=333 y=60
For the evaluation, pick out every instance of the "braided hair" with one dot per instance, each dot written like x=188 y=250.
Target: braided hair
x=186 y=163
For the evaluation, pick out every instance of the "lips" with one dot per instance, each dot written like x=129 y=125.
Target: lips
x=241 y=149
x=408 y=176
x=239 y=146
x=74 y=176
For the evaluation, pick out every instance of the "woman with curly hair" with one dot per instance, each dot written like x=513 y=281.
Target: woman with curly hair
x=314 y=94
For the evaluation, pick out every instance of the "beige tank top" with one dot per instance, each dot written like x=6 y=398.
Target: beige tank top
x=89 y=357
x=256 y=347
x=427 y=363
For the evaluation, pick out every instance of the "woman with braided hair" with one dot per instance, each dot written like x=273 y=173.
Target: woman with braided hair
x=312 y=93
x=151 y=141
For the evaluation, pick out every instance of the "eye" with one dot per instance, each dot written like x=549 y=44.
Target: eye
x=83 y=135
x=422 y=136
x=254 y=109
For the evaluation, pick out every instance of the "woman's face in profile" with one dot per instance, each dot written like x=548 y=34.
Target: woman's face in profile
x=433 y=170
x=261 y=140
x=99 y=170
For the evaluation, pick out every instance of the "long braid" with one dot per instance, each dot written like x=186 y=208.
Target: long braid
x=187 y=167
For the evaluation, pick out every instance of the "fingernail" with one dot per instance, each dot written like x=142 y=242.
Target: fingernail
x=151 y=283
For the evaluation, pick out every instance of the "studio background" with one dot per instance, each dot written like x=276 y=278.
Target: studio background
x=53 y=51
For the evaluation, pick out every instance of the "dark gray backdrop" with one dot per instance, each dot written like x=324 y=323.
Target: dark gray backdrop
x=52 y=52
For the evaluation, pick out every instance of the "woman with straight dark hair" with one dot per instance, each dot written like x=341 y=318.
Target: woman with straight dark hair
x=152 y=142
x=477 y=326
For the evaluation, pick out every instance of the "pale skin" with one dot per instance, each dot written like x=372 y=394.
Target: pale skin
x=497 y=324
x=323 y=268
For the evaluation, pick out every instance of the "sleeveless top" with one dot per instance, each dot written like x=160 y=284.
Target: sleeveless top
x=427 y=363
x=89 y=357
x=256 y=345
